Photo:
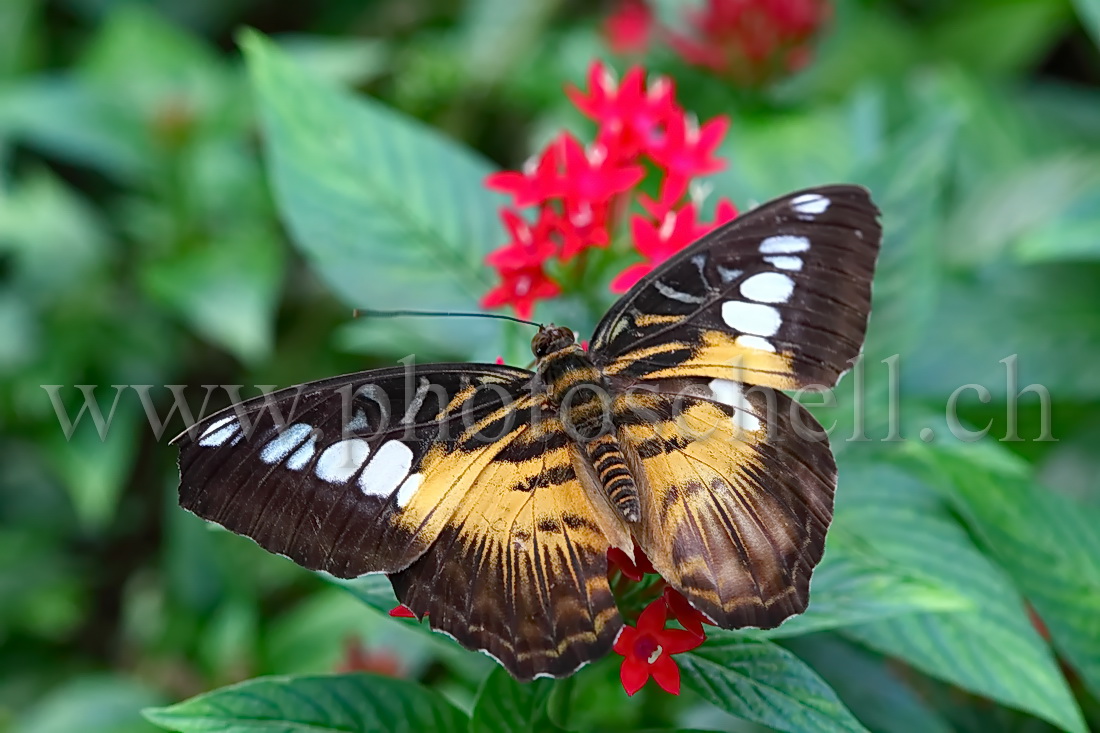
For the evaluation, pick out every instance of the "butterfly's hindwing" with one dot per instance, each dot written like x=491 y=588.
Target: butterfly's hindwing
x=520 y=570
x=736 y=487
x=778 y=297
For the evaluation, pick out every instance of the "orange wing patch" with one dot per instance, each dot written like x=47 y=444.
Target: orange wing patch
x=717 y=355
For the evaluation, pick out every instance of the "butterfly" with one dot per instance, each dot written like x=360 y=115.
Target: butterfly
x=490 y=495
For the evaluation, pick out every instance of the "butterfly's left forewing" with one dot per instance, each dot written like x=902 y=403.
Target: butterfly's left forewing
x=341 y=475
x=446 y=478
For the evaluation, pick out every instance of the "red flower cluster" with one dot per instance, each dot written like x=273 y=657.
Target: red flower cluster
x=647 y=648
x=747 y=41
x=580 y=193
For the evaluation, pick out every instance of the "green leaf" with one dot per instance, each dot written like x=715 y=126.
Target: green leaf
x=1006 y=310
x=908 y=181
x=506 y=706
x=356 y=703
x=374 y=590
x=348 y=61
x=1048 y=543
x=94 y=469
x=1025 y=30
x=1089 y=13
x=1046 y=210
x=54 y=237
x=871 y=686
x=389 y=212
x=227 y=291
x=992 y=650
x=853 y=586
x=90 y=705
x=757 y=680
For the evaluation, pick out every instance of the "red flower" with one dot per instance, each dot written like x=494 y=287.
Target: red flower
x=538 y=182
x=648 y=648
x=528 y=247
x=593 y=176
x=628 y=28
x=634 y=568
x=629 y=114
x=583 y=191
x=402 y=611
x=520 y=289
x=690 y=617
x=657 y=242
x=687 y=151
x=751 y=41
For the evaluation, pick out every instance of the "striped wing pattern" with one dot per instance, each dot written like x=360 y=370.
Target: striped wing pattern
x=464 y=486
x=735 y=504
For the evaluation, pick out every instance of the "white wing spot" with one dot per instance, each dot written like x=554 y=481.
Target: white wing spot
x=341 y=460
x=753 y=318
x=409 y=487
x=387 y=470
x=299 y=458
x=219 y=432
x=674 y=294
x=755 y=342
x=768 y=287
x=358 y=423
x=281 y=445
x=810 y=203
x=786 y=262
x=784 y=244
x=730 y=393
x=727 y=274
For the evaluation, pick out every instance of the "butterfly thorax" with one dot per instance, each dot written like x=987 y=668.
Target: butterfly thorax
x=581 y=397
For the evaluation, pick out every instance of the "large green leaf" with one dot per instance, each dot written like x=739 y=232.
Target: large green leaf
x=1048 y=543
x=908 y=182
x=1003 y=311
x=992 y=650
x=760 y=681
x=389 y=212
x=506 y=706
x=872 y=687
x=853 y=586
x=354 y=703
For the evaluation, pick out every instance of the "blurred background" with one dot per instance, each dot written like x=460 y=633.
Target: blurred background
x=141 y=244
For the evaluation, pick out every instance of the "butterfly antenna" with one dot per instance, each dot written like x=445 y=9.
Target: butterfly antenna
x=364 y=312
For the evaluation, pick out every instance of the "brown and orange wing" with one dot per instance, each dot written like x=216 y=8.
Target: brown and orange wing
x=778 y=297
x=736 y=490
x=446 y=479
x=520 y=568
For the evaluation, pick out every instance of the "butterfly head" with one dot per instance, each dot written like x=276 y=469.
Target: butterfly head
x=550 y=339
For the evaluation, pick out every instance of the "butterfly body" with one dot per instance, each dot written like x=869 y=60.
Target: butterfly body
x=490 y=495
x=580 y=396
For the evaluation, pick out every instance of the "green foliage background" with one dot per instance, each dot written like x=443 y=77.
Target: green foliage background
x=186 y=203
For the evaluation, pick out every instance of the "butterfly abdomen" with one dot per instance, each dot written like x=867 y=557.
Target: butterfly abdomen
x=615 y=476
x=584 y=403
